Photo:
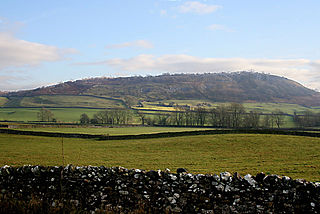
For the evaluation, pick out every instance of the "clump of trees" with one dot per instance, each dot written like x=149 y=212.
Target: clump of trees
x=307 y=119
x=84 y=119
x=114 y=117
x=45 y=115
x=231 y=115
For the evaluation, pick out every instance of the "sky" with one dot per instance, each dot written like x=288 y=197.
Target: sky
x=44 y=42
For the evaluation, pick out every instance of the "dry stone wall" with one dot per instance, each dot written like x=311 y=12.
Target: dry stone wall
x=93 y=189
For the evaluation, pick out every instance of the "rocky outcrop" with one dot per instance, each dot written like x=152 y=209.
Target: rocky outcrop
x=117 y=189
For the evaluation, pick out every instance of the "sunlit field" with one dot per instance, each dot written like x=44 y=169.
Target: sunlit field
x=293 y=156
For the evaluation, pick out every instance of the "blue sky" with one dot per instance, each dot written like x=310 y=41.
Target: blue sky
x=44 y=42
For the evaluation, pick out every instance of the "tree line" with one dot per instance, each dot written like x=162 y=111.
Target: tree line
x=231 y=115
x=307 y=119
x=114 y=117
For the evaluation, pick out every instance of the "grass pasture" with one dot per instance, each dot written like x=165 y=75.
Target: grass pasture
x=3 y=100
x=294 y=156
x=272 y=107
x=260 y=107
x=30 y=114
x=113 y=131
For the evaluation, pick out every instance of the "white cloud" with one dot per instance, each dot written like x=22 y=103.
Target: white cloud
x=163 y=12
x=135 y=44
x=304 y=71
x=20 y=53
x=13 y=83
x=197 y=7
x=215 y=27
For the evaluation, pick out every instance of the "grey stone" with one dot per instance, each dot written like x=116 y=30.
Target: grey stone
x=226 y=176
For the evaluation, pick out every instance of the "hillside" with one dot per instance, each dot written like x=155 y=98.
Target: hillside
x=216 y=87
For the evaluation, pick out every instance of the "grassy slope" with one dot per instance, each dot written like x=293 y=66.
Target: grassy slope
x=114 y=131
x=30 y=114
x=260 y=107
x=293 y=156
x=69 y=101
x=3 y=100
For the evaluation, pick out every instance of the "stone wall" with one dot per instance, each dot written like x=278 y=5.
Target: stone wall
x=122 y=190
x=303 y=132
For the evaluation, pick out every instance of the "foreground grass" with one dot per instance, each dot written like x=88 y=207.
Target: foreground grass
x=113 y=131
x=294 y=156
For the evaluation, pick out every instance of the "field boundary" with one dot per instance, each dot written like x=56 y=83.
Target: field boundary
x=90 y=189
x=159 y=135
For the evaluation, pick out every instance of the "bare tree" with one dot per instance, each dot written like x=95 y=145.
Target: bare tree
x=115 y=117
x=278 y=118
x=307 y=119
x=222 y=116
x=177 y=117
x=267 y=121
x=236 y=111
x=200 y=116
x=142 y=117
x=45 y=115
x=189 y=117
x=252 y=119
x=162 y=119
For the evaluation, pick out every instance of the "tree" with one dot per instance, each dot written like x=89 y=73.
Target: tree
x=251 y=120
x=278 y=118
x=307 y=119
x=200 y=116
x=101 y=117
x=162 y=119
x=142 y=117
x=177 y=117
x=236 y=111
x=189 y=117
x=267 y=121
x=84 y=119
x=45 y=115
x=222 y=116
x=114 y=117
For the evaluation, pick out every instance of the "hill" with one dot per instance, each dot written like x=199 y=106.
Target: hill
x=216 y=87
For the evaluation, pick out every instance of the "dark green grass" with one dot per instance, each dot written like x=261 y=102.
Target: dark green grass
x=294 y=156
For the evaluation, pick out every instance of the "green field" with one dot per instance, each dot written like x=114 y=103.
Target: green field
x=113 y=131
x=30 y=114
x=272 y=107
x=260 y=107
x=73 y=114
x=62 y=101
x=3 y=100
x=294 y=156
